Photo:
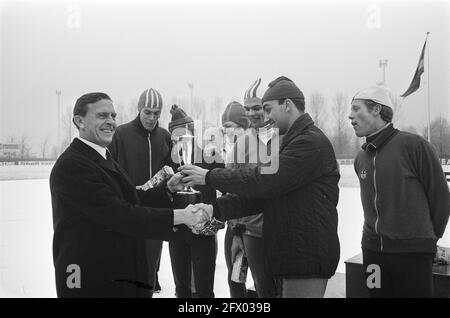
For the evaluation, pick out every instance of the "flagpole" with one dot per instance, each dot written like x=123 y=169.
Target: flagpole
x=428 y=86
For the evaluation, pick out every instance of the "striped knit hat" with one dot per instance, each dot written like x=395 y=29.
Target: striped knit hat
x=150 y=98
x=250 y=98
x=235 y=113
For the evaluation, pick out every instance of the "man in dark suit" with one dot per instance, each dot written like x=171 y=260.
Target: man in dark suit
x=99 y=227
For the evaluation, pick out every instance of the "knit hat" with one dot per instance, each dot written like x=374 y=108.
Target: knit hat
x=179 y=119
x=282 y=88
x=250 y=98
x=150 y=98
x=377 y=93
x=235 y=113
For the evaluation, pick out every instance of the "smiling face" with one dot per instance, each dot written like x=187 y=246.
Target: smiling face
x=99 y=123
x=365 y=121
x=277 y=112
x=255 y=114
x=149 y=117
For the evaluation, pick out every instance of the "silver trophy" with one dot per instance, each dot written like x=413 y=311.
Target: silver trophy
x=182 y=199
x=185 y=146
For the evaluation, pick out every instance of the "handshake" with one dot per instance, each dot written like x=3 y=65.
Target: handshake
x=199 y=218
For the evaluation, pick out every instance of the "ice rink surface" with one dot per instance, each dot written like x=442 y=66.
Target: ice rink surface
x=26 y=265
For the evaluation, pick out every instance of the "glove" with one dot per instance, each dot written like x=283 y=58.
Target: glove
x=208 y=228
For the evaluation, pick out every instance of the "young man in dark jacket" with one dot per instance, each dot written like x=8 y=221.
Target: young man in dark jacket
x=142 y=148
x=405 y=199
x=298 y=200
x=192 y=253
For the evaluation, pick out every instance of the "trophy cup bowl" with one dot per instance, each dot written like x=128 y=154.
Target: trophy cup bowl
x=189 y=196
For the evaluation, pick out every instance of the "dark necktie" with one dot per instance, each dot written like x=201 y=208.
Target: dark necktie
x=109 y=160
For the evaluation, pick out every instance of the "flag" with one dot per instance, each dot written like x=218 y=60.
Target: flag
x=415 y=83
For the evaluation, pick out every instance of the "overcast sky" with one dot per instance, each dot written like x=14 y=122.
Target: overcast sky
x=125 y=47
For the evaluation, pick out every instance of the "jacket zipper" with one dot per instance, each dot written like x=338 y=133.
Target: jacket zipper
x=150 y=154
x=375 y=200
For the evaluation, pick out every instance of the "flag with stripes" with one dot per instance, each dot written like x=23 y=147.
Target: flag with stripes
x=415 y=83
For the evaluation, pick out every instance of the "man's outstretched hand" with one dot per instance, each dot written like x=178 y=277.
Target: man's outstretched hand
x=175 y=183
x=193 y=175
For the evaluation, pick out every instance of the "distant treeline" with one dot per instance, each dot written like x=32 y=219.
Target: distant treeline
x=25 y=162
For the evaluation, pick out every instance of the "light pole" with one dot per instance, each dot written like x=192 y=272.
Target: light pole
x=383 y=65
x=58 y=96
x=191 y=87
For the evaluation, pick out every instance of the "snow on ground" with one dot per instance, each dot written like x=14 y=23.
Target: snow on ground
x=26 y=265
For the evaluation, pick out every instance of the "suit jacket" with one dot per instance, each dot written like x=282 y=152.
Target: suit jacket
x=99 y=227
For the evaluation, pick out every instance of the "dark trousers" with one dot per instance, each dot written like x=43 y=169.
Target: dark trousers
x=153 y=248
x=264 y=283
x=193 y=253
x=291 y=287
x=401 y=275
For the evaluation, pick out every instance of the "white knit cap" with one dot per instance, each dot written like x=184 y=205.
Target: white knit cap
x=377 y=93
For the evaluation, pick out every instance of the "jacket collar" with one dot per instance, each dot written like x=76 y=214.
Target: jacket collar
x=137 y=123
x=300 y=124
x=101 y=150
x=377 y=141
x=91 y=154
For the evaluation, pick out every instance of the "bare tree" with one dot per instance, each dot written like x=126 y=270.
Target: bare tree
x=44 y=146
x=53 y=152
x=67 y=128
x=126 y=112
x=316 y=108
x=355 y=145
x=214 y=116
x=121 y=117
x=24 y=147
x=440 y=136
x=341 y=130
x=397 y=104
x=199 y=109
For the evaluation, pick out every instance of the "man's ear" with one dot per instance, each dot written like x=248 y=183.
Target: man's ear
x=288 y=104
x=377 y=109
x=78 y=121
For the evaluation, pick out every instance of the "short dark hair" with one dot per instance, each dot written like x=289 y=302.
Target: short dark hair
x=298 y=102
x=386 y=112
x=80 y=107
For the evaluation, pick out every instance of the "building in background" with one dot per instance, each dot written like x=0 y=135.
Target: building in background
x=9 y=150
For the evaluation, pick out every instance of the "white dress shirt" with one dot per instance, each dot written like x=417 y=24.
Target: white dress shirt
x=101 y=150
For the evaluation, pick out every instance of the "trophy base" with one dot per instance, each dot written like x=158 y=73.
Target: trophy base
x=183 y=198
